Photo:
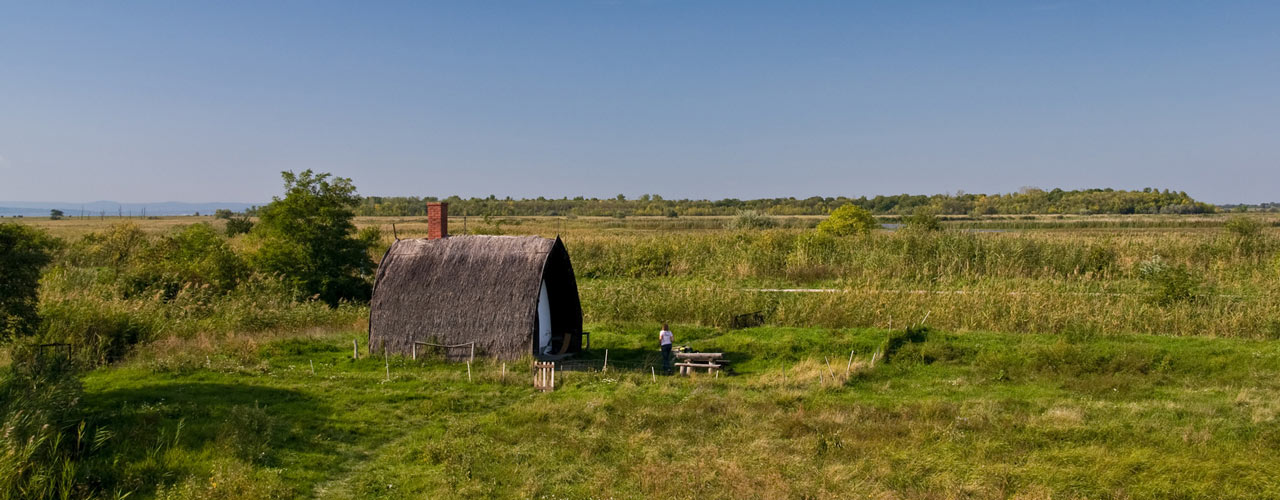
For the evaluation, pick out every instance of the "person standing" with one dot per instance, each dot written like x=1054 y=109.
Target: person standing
x=665 y=338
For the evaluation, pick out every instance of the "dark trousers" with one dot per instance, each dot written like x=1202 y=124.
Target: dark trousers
x=666 y=358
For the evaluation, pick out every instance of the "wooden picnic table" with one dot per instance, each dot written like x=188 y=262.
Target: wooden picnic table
x=712 y=361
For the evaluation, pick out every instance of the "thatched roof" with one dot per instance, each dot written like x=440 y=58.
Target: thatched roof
x=481 y=289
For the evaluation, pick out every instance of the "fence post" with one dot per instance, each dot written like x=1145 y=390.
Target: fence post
x=355 y=349
x=606 y=361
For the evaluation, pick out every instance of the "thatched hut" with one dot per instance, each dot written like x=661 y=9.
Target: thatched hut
x=509 y=295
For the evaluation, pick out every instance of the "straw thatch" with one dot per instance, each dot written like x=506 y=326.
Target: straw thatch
x=481 y=289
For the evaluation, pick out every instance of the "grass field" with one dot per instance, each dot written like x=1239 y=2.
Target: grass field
x=1070 y=357
x=977 y=415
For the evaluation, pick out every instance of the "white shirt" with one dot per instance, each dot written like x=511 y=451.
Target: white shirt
x=665 y=337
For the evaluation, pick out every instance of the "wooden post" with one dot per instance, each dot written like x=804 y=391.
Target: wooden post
x=468 y=371
x=355 y=349
x=386 y=360
x=415 y=350
x=606 y=361
x=313 y=366
x=653 y=374
x=504 y=372
x=833 y=372
x=473 y=352
x=850 y=365
x=553 y=375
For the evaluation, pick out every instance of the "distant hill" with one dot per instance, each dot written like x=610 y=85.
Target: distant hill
x=42 y=208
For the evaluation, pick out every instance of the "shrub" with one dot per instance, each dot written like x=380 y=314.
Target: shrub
x=848 y=220
x=24 y=251
x=195 y=256
x=1244 y=227
x=751 y=219
x=222 y=213
x=239 y=225
x=1169 y=283
x=922 y=220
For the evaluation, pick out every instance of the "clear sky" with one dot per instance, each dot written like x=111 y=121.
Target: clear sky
x=203 y=101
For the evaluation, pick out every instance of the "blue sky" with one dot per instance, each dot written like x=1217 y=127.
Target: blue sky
x=150 y=101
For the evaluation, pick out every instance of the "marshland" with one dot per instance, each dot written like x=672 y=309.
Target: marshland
x=976 y=356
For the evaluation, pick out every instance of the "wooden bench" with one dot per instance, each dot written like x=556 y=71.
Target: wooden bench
x=712 y=361
x=686 y=367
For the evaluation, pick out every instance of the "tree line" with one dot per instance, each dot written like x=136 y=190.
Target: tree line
x=1025 y=201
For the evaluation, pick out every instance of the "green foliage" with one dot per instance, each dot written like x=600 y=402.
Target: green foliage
x=196 y=256
x=222 y=213
x=1169 y=283
x=751 y=219
x=55 y=214
x=116 y=247
x=238 y=225
x=24 y=252
x=1244 y=227
x=308 y=238
x=44 y=441
x=1026 y=201
x=922 y=220
x=848 y=220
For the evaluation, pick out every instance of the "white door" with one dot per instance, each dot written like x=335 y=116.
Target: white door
x=544 y=321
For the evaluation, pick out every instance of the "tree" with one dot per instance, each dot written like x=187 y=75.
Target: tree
x=846 y=220
x=24 y=251
x=55 y=214
x=222 y=213
x=308 y=238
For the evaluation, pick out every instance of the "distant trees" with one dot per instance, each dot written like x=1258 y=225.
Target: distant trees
x=1026 y=201
x=308 y=238
x=222 y=213
x=24 y=251
x=848 y=220
x=55 y=214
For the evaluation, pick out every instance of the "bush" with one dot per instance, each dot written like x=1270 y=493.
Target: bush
x=1169 y=283
x=922 y=221
x=1244 y=227
x=848 y=220
x=222 y=213
x=751 y=219
x=24 y=251
x=238 y=225
x=194 y=257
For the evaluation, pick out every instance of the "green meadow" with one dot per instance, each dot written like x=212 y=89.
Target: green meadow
x=998 y=357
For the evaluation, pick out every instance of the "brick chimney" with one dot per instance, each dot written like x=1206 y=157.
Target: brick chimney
x=437 y=220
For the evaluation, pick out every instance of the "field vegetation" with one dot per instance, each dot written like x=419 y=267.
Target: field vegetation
x=1030 y=356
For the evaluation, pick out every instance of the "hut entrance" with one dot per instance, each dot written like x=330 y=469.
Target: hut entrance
x=544 y=321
